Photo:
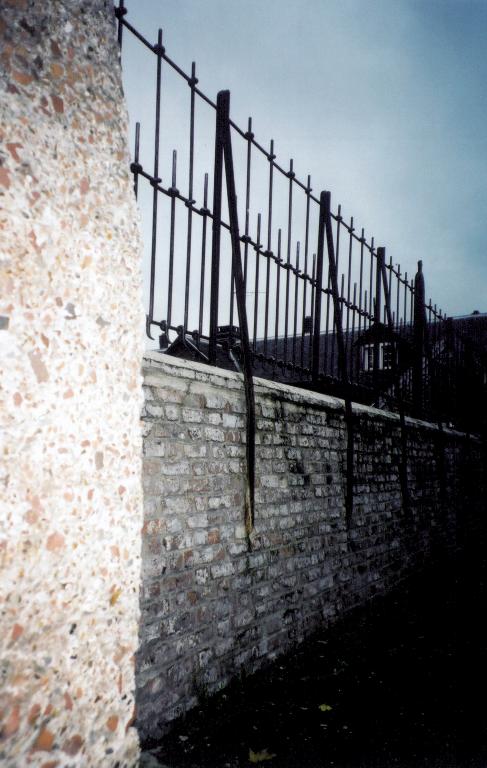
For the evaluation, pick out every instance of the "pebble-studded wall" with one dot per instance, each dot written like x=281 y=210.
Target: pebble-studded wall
x=71 y=344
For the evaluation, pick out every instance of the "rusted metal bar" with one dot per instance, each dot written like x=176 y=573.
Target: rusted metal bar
x=325 y=208
x=220 y=129
x=315 y=361
x=223 y=116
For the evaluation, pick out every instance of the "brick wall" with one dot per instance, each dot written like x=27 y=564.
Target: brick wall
x=212 y=607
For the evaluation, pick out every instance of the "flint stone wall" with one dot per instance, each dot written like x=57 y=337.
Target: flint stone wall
x=210 y=607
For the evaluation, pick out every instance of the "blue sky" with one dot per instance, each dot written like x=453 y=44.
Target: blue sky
x=383 y=102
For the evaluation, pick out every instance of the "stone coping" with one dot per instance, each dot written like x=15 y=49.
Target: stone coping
x=189 y=369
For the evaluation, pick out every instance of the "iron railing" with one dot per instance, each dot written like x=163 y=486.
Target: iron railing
x=317 y=303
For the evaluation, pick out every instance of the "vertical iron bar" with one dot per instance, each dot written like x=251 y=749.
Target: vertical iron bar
x=232 y=301
x=377 y=309
x=352 y=354
x=405 y=310
x=389 y=279
x=155 y=181
x=326 y=361
x=411 y=300
x=173 y=192
x=419 y=340
x=256 y=293
x=434 y=342
x=315 y=360
x=288 y=260
x=337 y=250
x=411 y=325
x=224 y=100
x=192 y=84
x=361 y=272
x=337 y=261
x=337 y=313
x=428 y=359
x=221 y=125
x=364 y=351
x=270 y=157
x=136 y=166
x=342 y=296
x=120 y=12
x=397 y=295
x=278 y=285
x=296 y=282
x=205 y=213
x=381 y=263
x=313 y=294
x=305 y=270
x=406 y=330
x=267 y=298
x=249 y=136
x=402 y=465
x=371 y=294
x=349 y=281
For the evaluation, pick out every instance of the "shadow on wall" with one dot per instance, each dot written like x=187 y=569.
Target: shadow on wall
x=213 y=608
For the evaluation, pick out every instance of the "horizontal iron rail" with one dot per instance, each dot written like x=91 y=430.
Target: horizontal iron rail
x=157 y=50
x=175 y=193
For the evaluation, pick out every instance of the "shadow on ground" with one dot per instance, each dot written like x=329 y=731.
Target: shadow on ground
x=399 y=683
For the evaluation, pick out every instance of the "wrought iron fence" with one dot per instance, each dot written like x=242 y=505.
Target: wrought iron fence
x=278 y=284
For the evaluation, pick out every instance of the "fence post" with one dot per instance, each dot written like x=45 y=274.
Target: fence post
x=418 y=340
x=380 y=263
x=315 y=357
x=325 y=200
x=325 y=206
x=221 y=118
x=402 y=468
x=223 y=104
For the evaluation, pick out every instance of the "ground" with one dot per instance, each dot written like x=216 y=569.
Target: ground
x=400 y=682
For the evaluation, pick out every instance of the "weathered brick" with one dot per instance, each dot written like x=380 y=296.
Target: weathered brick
x=197 y=521
x=232 y=608
x=191 y=415
x=223 y=569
